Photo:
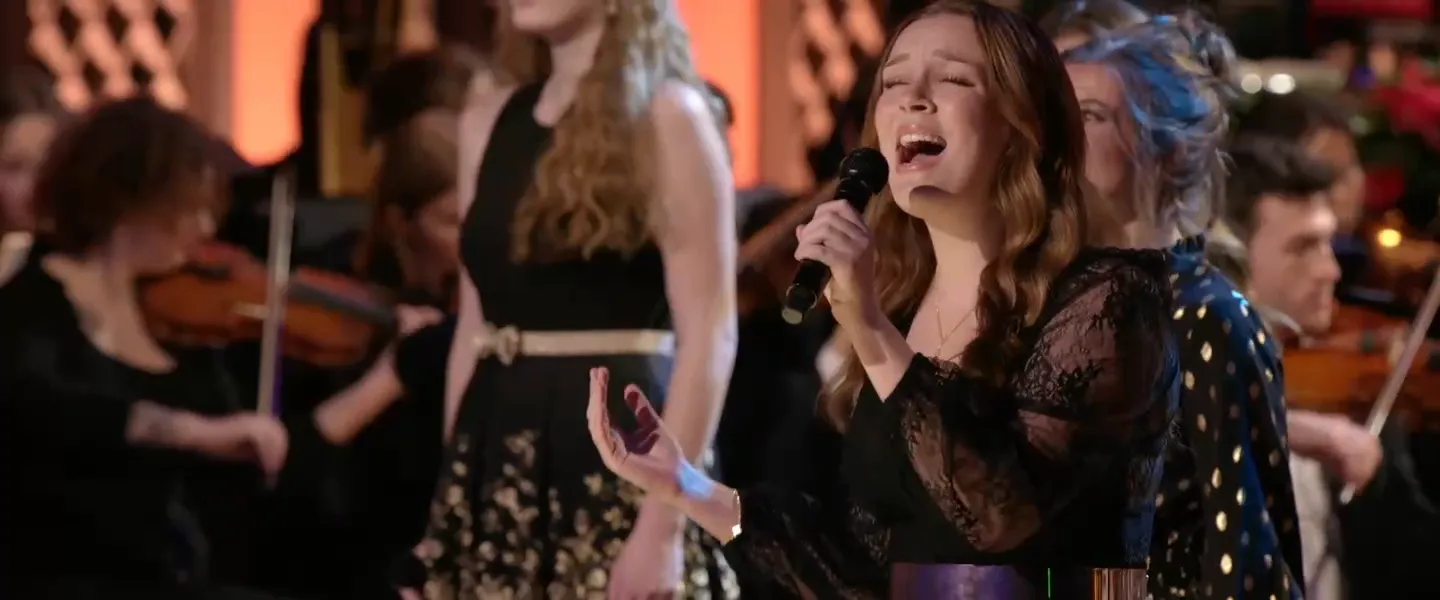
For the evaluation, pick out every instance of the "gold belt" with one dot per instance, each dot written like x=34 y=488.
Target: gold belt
x=507 y=343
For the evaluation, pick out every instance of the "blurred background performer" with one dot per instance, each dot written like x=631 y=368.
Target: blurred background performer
x=999 y=461
x=103 y=427
x=1076 y=23
x=1279 y=205
x=29 y=115
x=340 y=545
x=1321 y=128
x=599 y=226
x=128 y=197
x=1155 y=100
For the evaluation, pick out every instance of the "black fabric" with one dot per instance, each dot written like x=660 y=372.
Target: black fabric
x=1227 y=524
x=525 y=507
x=1057 y=470
x=85 y=515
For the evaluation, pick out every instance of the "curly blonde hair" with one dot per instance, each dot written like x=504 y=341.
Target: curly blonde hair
x=593 y=188
x=1040 y=196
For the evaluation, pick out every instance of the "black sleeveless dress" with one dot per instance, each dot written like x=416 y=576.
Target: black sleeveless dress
x=525 y=507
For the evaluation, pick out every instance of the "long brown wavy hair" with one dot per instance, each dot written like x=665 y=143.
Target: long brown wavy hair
x=593 y=188
x=1039 y=195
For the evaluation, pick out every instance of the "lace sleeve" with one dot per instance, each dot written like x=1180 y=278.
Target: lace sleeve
x=1090 y=400
x=817 y=544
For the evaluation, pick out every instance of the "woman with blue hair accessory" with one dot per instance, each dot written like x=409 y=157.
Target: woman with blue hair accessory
x=1154 y=98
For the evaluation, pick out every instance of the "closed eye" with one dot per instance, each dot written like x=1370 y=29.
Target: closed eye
x=960 y=81
x=889 y=83
x=1094 y=116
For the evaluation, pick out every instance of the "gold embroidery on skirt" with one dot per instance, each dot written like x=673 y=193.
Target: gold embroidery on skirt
x=581 y=560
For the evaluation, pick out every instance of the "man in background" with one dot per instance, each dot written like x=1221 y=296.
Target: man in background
x=1279 y=206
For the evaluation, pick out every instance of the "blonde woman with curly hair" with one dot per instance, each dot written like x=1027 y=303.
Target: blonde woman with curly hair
x=1009 y=387
x=599 y=228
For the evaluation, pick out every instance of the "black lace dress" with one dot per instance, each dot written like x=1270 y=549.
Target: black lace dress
x=1226 y=523
x=1016 y=492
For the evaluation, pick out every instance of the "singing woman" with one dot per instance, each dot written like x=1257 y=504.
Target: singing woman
x=1154 y=98
x=112 y=443
x=1009 y=386
x=599 y=228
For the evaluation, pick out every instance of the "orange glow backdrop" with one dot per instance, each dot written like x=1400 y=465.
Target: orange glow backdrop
x=269 y=37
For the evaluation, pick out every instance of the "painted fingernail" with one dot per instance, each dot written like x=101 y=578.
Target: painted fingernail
x=645 y=416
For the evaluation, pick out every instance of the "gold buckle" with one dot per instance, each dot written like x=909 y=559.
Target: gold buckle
x=503 y=343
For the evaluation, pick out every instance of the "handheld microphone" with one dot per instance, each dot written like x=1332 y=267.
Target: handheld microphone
x=863 y=174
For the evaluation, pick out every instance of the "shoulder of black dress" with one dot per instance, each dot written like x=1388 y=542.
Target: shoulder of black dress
x=33 y=295
x=1123 y=271
x=1110 y=262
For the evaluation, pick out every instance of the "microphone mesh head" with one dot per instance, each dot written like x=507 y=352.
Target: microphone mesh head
x=867 y=166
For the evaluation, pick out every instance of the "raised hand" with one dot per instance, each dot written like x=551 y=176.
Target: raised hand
x=649 y=456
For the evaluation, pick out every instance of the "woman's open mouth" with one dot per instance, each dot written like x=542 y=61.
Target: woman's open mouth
x=919 y=150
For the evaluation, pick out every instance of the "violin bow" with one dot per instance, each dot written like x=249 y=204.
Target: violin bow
x=1419 y=328
x=282 y=227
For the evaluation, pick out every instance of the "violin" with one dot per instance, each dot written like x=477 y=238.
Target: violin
x=1369 y=364
x=1339 y=381
x=222 y=295
x=1362 y=330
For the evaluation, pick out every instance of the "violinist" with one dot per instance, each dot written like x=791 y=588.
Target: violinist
x=410 y=244
x=1279 y=207
x=339 y=544
x=99 y=418
x=120 y=452
x=409 y=248
x=1321 y=129
x=1155 y=99
x=29 y=113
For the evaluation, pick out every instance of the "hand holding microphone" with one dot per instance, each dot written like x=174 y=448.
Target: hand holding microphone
x=835 y=246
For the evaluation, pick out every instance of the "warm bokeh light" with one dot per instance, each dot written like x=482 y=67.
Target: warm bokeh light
x=726 y=38
x=268 y=51
x=1388 y=238
x=269 y=36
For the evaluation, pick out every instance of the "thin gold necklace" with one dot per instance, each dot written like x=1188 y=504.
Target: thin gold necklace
x=945 y=337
